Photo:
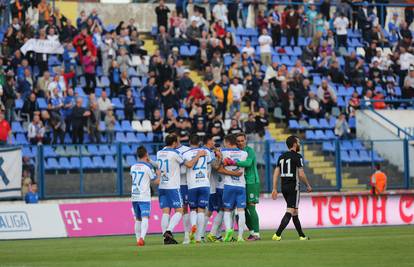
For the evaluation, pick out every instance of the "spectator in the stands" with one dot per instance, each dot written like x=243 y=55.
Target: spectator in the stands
x=123 y=59
x=169 y=96
x=292 y=25
x=162 y=15
x=327 y=96
x=36 y=131
x=291 y=107
x=5 y=130
x=31 y=107
x=170 y=121
x=104 y=104
x=233 y=13
x=8 y=97
x=25 y=84
x=408 y=89
x=223 y=96
x=185 y=84
x=265 y=42
x=378 y=181
x=341 y=24
x=364 y=20
x=335 y=73
x=237 y=91
x=275 y=19
x=220 y=12
x=57 y=125
x=379 y=103
x=234 y=127
x=32 y=196
x=129 y=105
x=78 y=117
x=93 y=123
x=312 y=106
x=405 y=62
x=342 y=129
x=353 y=104
x=150 y=98
x=55 y=102
x=367 y=98
x=110 y=121
x=193 y=33
x=43 y=84
x=89 y=64
x=157 y=126
x=262 y=123
x=164 y=42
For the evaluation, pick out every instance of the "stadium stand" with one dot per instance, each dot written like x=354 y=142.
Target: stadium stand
x=112 y=84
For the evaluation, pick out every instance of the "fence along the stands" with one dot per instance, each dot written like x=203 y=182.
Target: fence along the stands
x=65 y=171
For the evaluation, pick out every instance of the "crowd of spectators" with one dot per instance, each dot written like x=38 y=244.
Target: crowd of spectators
x=172 y=101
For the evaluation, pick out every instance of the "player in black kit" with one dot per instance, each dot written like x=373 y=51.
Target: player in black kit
x=290 y=169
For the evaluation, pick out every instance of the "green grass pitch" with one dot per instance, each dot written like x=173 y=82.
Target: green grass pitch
x=369 y=246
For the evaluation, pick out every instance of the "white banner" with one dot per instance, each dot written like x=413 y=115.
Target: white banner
x=42 y=46
x=21 y=221
x=10 y=172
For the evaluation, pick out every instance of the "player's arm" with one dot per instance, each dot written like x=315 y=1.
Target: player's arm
x=157 y=176
x=190 y=163
x=224 y=171
x=304 y=179
x=251 y=156
x=276 y=175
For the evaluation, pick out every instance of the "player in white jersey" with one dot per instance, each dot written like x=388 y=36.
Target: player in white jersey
x=169 y=163
x=234 y=194
x=215 y=202
x=197 y=161
x=184 y=194
x=142 y=174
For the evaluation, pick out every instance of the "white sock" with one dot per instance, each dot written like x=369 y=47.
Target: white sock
x=206 y=219
x=200 y=225
x=165 y=220
x=187 y=226
x=144 y=227
x=228 y=220
x=137 y=230
x=193 y=217
x=175 y=219
x=218 y=220
x=242 y=223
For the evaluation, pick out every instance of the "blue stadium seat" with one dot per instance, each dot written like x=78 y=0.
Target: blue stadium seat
x=112 y=149
x=109 y=162
x=377 y=158
x=117 y=127
x=104 y=150
x=310 y=135
x=18 y=103
x=42 y=103
x=120 y=137
x=345 y=156
x=297 y=51
x=141 y=137
x=104 y=81
x=130 y=160
x=93 y=150
x=320 y=135
x=193 y=50
x=352 y=123
x=323 y=123
x=64 y=164
x=346 y=145
x=135 y=82
x=126 y=126
x=21 y=139
x=313 y=123
x=16 y=127
x=27 y=152
x=184 y=51
x=328 y=147
x=357 y=145
x=294 y=125
x=116 y=103
x=131 y=138
x=330 y=135
x=332 y=122
x=353 y=154
x=98 y=162
x=289 y=51
x=364 y=156
x=87 y=163
x=75 y=162
x=132 y=72
x=126 y=149
x=227 y=60
x=52 y=164
x=48 y=151
x=120 y=115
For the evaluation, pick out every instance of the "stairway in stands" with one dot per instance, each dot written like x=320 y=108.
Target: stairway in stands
x=320 y=169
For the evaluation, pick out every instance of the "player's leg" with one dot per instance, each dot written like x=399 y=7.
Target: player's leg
x=290 y=198
x=202 y=203
x=176 y=202
x=186 y=215
x=212 y=206
x=252 y=218
x=296 y=221
x=145 y=208
x=163 y=201
x=241 y=205
x=192 y=200
x=229 y=201
x=137 y=226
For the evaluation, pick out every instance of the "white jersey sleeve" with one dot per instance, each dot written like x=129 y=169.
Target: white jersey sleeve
x=236 y=155
x=169 y=163
x=142 y=173
x=198 y=175
x=183 y=173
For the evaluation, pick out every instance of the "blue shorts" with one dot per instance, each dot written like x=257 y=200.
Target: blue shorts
x=219 y=198
x=170 y=198
x=184 y=194
x=141 y=209
x=212 y=203
x=234 y=197
x=198 y=197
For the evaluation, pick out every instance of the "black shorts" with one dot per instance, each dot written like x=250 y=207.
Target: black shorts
x=291 y=196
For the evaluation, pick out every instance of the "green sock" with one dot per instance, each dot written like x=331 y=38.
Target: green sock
x=248 y=220
x=254 y=218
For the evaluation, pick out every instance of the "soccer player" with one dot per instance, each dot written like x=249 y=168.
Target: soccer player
x=197 y=160
x=184 y=194
x=215 y=202
x=290 y=169
x=234 y=194
x=252 y=186
x=142 y=174
x=169 y=161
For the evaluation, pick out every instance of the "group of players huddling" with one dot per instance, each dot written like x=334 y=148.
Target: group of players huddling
x=197 y=180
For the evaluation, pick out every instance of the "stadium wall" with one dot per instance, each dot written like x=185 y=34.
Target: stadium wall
x=115 y=216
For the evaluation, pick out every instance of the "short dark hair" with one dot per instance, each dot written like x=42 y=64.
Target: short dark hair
x=291 y=140
x=170 y=139
x=231 y=139
x=194 y=140
x=207 y=138
x=378 y=166
x=141 y=152
x=241 y=134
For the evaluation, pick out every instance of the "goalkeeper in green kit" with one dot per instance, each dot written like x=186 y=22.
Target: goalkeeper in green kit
x=252 y=187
